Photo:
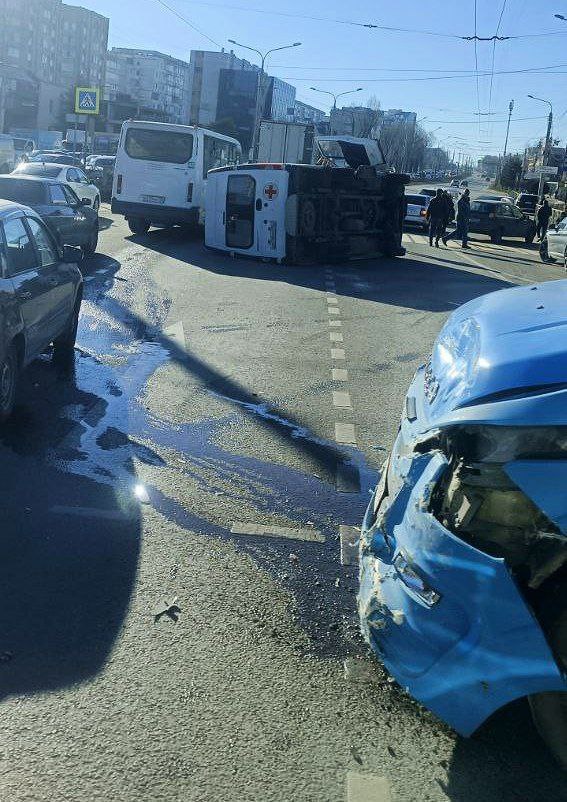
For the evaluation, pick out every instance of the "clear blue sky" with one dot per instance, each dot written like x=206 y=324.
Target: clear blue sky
x=338 y=57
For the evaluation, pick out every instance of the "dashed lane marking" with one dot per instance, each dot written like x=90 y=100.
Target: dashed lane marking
x=336 y=337
x=332 y=299
x=338 y=353
x=335 y=324
x=341 y=399
x=349 y=536
x=367 y=788
x=339 y=375
x=345 y=433
x=333 y=310
x=176 y=332
x=309 y=535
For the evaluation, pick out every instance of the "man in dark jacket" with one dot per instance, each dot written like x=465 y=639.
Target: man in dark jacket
x=436 y=215
x=543 y=215
x=463 y=214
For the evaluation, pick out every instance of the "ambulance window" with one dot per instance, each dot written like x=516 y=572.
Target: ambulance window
x=240 y=200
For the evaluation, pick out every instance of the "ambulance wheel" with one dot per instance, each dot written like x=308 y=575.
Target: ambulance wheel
x=549 y=710
x=138 y=225
x=308 y=218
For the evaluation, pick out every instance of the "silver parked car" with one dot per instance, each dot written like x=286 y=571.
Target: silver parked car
x=41 y=289
x=553 y=247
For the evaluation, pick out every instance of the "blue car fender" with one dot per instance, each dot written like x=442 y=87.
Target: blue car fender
x=447 y=619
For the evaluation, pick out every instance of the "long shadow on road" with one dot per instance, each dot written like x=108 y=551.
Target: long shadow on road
x=408 y=282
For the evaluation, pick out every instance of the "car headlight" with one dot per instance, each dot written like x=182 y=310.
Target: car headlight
x=455 y=358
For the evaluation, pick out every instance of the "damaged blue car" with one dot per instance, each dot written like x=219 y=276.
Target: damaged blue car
x=463 y=551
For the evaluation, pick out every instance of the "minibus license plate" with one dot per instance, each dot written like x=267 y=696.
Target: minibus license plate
x=153 y=198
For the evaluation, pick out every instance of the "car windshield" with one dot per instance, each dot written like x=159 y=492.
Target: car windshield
x=528 y=198
x=22 y=191
x=419 y=200
x=483 y=207
x=159 y=146
x=43 y=170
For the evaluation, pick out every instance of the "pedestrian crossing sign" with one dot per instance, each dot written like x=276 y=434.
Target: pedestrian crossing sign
x=87 y=100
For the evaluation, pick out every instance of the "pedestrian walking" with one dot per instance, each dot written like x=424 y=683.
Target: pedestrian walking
x=463 y=214
x=436 y=215
x=543 y=215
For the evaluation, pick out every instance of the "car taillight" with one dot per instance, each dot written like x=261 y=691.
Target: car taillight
x=119 y=184
x=190 y=192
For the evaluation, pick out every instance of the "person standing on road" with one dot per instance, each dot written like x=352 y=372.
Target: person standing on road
x=435 y=216
x=543 y=215
x=463 y=214
x=449 y=214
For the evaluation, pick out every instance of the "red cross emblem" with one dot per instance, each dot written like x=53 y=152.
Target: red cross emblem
x=271 y=191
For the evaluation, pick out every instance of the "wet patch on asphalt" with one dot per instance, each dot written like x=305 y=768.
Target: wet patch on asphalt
x=93 y=421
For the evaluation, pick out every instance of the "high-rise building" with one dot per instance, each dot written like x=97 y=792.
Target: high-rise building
x=148 y=84
x=61 y=46
x=353 y=121
x=280 y=100
x=304 y=113
x=236 y=105
x=206 y=69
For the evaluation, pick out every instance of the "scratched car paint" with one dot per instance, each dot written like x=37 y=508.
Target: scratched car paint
x=463 y=548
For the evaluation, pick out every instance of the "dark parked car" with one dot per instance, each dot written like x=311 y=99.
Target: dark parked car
x=527 y=202
x=70 y=219
x=499 y=220
x=56 y=157
x=101 y=172
x=40 y=296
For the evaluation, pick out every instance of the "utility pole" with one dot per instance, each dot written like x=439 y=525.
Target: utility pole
x=260 y=89
x=510 y=110
x=547 y=146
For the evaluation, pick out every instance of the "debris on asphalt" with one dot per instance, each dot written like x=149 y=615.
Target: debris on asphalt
x=356 y=755
x=168 y=608
x=293 y=558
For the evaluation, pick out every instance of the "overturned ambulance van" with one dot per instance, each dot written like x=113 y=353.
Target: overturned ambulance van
x=304 y=213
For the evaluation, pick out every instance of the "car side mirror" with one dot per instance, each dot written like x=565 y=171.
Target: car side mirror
x=71 y=255
x=85 y=202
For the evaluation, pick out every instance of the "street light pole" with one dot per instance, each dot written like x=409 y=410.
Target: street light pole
x=260 y=88
x=332 y=94
x=547 y=147
x=510 y=110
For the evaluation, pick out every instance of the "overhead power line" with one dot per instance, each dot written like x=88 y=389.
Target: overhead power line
x=367 y=25
x=189 y=23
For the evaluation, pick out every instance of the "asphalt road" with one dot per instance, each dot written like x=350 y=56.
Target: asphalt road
x=147 y=652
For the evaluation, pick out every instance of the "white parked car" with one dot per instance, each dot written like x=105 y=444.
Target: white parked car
x=65 y=174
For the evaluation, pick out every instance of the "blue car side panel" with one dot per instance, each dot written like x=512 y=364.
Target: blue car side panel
x=546 y=484
x=479 y=646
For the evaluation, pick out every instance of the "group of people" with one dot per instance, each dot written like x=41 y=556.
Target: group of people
x=441 y=211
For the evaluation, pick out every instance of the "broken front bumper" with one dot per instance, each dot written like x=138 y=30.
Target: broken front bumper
x=447 y=619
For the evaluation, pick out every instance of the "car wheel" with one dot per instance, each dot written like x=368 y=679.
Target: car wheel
x=96 y=204
x=64 y=345
x=549 y=710
x=90 y=248
x=138 y=225
x=8 y=383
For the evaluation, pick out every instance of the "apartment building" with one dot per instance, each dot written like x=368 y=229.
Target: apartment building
x=148 y=84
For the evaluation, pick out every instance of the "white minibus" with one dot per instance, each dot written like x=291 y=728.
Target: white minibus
x=161 y=172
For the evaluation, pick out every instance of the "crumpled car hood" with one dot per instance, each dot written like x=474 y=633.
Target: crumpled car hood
x=507 y=346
